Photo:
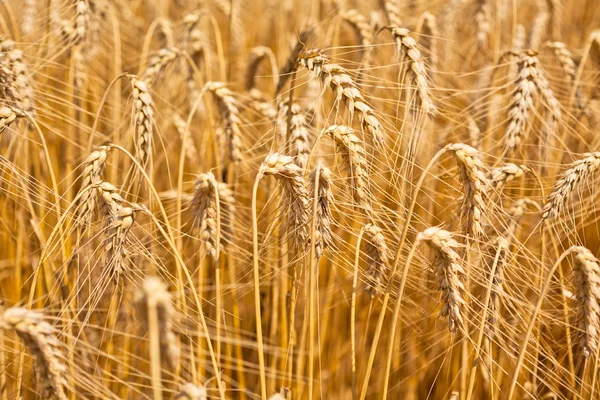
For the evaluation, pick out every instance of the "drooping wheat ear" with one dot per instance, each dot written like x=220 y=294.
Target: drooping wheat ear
x=517 y=210
x=76 y=33
x=189 y=391
x=116 y=239
x=407 y=51
x=158 y=63
x=555 y=9
x=586 y=273
x=362 y=29
x=498 y=177
x=345 y=89
x=298 y=136
x=429 y=39
x=295 y=194
x=448 y=272
x=522 y=101
x=154 y=296
x=257 y=55
x=554 y=115
x=190 y=148
x=538 y=31
x=355 y=159
x=204 y=206
x=498 y=249
x=15 y=76
x=482 y=21
x=579 y=172
x=565 y=59
x=40 y=337
x=143 y=120
x=90 y=178
x=471 y=176
x=8 y=115
x=291 y=64
x=165 y=28
x=391 y=12
x=377 y=254
x=194 y=39
x=324 y=200
x=230 y=117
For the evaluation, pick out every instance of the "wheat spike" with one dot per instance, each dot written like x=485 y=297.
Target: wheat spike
x=345 y=89
x=295 y=194
x=586 y=274
x=499 y=246
x=189 y=391
x=324 y=200
x=157 y=64
x=377 y=254
x=448 y=272
x=91 y=177
x=498 y=177
x=40 y=337
x=143 y=120
x=391 y=11
x=298 y=136
x=469 y=166
x=579 y=172
x=116 y=238
x=230 y=116
x=154 y=295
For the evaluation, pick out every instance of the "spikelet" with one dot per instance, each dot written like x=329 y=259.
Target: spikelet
x=8 y=115
x=471 y=176
x=324 y=200
x=586 y=274
x=18 y=88
x=579 y=172
x=498 y=177
x=354 y=156
x=165 y=28
x=448 y=272
x=157 y=64
x=345 y=90
x=230 y=117
x=298 y=136
x=154 y=295
x=295 y=194
x=143 y=120
x=499 y=246
x=204 y=206
x=39 y=336
x=408 y=52
x=377 y=254
x=189 y=391
x=112 y=201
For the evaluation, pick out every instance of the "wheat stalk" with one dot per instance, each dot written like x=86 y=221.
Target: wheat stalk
x=40 y=337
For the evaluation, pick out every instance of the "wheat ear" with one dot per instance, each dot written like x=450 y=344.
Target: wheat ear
x=499 y=177
x=153 y=295
x=230 y=116
x=298 y=135
x=579 y=172
x=295 y=194
x=157 y=64
x=189 y=391
x=587 y=296
x=345 y=90
x=391 y=12
x=355 y=159
x=39 y=336
x=91 y=177
x=499 y=248
x=448 y=272
x=470 y=174
x=377 y=253
x=324 y=200
x=143 y=120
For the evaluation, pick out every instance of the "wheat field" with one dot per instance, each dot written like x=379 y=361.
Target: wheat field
x=299 y=199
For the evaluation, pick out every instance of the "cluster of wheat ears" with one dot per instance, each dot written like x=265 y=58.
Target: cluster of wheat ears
x=275 y=199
